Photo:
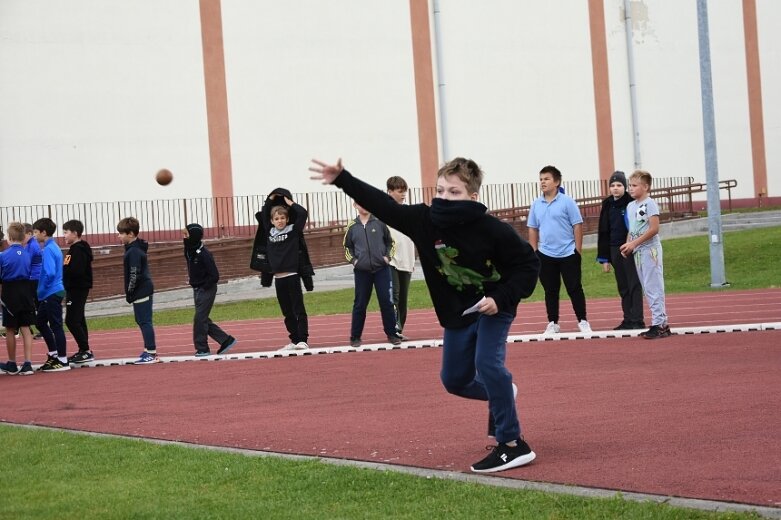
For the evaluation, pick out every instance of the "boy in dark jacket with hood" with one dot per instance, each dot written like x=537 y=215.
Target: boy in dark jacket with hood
x=259 y=260
x=77 y=279
x=477 y=269
x=285 y=221
x=612 y=234
x=138 y=286
x=203 y=277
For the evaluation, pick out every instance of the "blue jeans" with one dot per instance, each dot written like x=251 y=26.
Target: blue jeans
x=381 y=280
x=143 y=313
x=49 y=323
x=473 y=367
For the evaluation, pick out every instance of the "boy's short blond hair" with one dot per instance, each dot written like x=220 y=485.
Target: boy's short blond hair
x=466 y=170
x=15 y=232
x=281 y=210
x=642 y=176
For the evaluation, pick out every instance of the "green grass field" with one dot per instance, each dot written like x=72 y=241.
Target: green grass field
x=52 y=474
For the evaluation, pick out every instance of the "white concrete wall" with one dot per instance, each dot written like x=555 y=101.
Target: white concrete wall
x=95 y=96
x=769 y=21
x=319 y=79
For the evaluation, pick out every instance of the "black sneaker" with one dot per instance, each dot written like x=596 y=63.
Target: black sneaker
x=27 y=369
x=656 y=332
x=56 y=366
x=394 y=340
x=355 y=342
x=504 y=457
x=622 y=326
x=9 y=367
x=634 y=325
x=81 y=357
x=46 y=363
x=226 y=345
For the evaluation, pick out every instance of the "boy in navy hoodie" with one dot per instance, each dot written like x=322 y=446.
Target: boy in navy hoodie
x=51 y=292
x=138 y=286
x=203 y=277
x=477 y=269
x=77 y=279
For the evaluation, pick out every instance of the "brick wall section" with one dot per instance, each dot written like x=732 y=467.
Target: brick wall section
x=169 y=271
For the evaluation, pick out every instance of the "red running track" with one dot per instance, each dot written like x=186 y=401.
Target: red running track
x=692 y=416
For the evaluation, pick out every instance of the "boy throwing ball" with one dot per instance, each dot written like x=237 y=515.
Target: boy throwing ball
x=477 y=270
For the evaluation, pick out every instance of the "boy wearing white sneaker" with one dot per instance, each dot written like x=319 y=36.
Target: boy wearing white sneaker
x=556 y=233
x=285 y=221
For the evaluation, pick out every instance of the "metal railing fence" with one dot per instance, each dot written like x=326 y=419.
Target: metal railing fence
x=226 y=217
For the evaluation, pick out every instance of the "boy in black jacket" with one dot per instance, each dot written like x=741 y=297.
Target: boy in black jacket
x=285 y=221
x=477 y=270
x=612 y=234
x=77 y=279
x=259 y=260
x=138 y=286
x=368 y=246
x=203 y=277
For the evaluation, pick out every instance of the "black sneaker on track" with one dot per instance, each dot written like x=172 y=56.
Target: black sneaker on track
x=26 y=370
x=226 y=345
x=355 y=342
x=46 y=363
x=394 y=340
x=81 y=357
x=56 y=366
x=503 y=457
x=657 y=332
x=9 y=367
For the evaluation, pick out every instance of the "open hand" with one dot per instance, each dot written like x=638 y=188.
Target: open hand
x=326 y=172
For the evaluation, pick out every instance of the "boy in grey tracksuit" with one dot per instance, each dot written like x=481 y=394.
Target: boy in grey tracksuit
x=368 y=246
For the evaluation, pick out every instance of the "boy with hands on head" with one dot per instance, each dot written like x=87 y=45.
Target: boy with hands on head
x=470 y=260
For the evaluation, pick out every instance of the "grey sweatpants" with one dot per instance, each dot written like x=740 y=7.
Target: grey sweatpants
x=648 y=261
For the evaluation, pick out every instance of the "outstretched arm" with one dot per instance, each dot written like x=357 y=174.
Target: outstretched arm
x=406 y=219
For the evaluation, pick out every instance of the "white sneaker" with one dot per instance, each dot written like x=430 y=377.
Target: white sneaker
x=552 y=328
x=289 y=346
x=301 y=345
x=584 y=326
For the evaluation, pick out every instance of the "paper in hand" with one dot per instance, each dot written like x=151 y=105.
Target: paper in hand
x=474 y=307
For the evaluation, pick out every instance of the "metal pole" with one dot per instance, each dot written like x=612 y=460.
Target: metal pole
x=445 y=152
x=718 y=278
x=630 y=59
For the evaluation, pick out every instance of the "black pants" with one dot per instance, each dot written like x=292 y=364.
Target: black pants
x=75 y=301
x=552 y=272
x=629 y=287
x=401 y=281
x=291 y=301
x=203 y=327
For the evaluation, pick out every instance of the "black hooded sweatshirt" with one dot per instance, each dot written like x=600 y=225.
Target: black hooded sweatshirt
x=202 y=271
x=259 y=260
x=138 y=281
x=77 y=267
x=465 y=253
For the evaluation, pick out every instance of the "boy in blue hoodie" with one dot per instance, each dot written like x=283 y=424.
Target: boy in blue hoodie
x=18 y=300
x=138 y=286
x=51 y=292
